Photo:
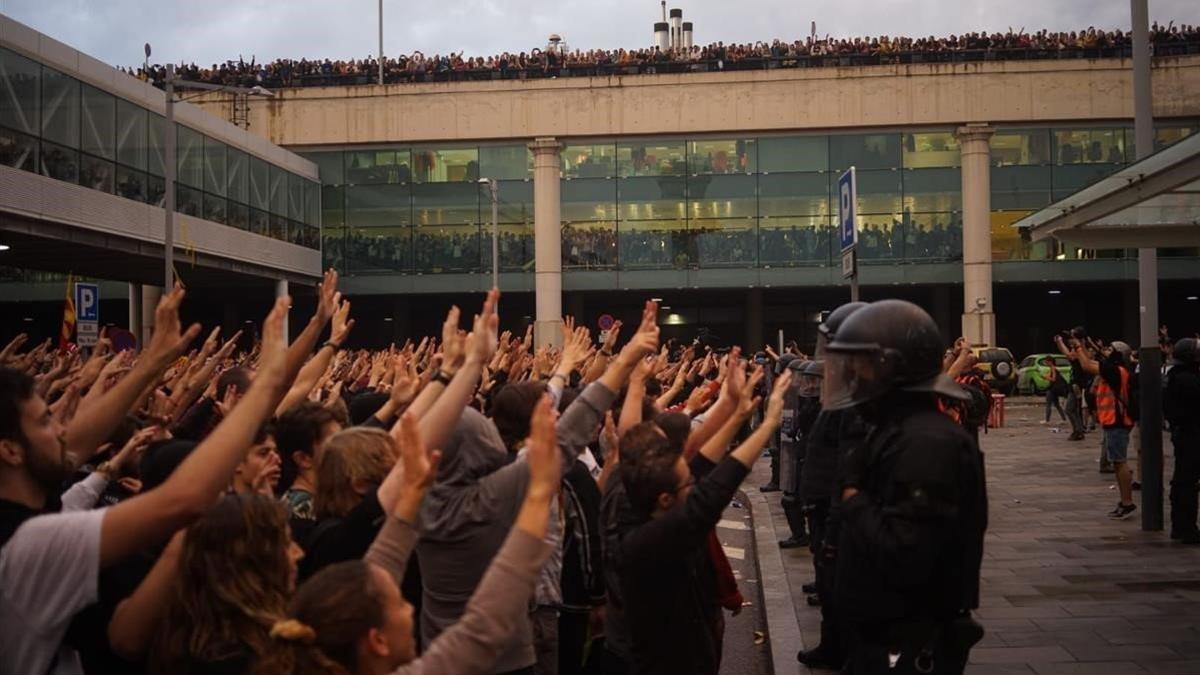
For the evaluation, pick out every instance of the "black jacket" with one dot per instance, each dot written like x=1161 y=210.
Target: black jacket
x=911 y=543
x=830 y=435
x=666 y=577
x=582 y=566
x=1181 y=400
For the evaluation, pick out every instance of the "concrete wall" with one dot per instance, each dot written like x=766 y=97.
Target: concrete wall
x=748 y=101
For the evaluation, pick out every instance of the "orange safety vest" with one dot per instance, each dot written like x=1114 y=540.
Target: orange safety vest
x=1107 y=403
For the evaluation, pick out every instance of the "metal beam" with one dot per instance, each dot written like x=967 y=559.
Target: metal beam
x=1163 y=236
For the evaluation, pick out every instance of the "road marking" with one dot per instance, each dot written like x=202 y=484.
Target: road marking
x=734 y=525
x=734 y=553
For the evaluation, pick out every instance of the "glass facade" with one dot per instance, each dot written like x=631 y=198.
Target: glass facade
x=55 y=125
x=672 y=203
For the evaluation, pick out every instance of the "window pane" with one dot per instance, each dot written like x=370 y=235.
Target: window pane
x=1070 y=178
x=794 y=194
x=505 y=162
x=932 y=190
x=515 y=202
x=589 y=161
x=190 y=155
x=131 y=134
x=156 y=190
x=1163 y=137
x=864 y=151
x=651 y=198
x=1007 y=243
x=1089 y=146
x=237 y=185
x=279 y=227
x=379 y=250
x=446 y=165
x=792 y=241
x=371 y=205
x=96 y=173
x=589 y=245
x=447 y=248
x=295 y=197
x=60 y=163
x=333 y=249
x=18 y=150
x=333 y=213
x=722 y=197
x=131 y=184
x=215 y=178
x=312 y=203
x=589 y=199
x=723 y=156
x=260 y=184
x=214 y=208
x=653 y=244
x=279 y=195
x=933 y=236
x=20 y=98
x=60 y=108
x=793 y=153
x=329 y=164
x=375 y=167
x=725 y=242
x=1021 y=147
x=879 y=191
x=237 y=215
x=260 y=222
x=188 y=201
x=157 y=129
x=880 y=237
x=515 y=247
x=1020 y=187
x=651 y=158
x=931 y=149
x=99 y=122
x=445 y=204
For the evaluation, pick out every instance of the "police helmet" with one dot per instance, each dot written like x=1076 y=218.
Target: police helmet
x=1186 y=351
x=829 y=327
x=784 y=361
x=885 y=346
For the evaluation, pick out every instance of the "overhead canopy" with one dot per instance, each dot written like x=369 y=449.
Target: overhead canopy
x=1153 y=203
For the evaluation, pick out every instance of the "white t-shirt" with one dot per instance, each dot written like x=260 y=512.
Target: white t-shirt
x=49 y=571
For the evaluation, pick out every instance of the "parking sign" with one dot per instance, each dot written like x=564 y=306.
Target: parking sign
x=847 y=200
x=87 y=313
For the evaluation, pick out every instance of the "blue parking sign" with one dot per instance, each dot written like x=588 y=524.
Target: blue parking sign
x=87 y=302
x=847 y=200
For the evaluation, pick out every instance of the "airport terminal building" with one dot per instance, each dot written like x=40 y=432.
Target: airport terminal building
x=714 y=191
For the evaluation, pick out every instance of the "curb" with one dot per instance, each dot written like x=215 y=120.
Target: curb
x=783 y=631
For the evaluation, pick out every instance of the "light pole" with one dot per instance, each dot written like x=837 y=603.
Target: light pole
x=169 y=160
x=381 y=42
x=494 y=189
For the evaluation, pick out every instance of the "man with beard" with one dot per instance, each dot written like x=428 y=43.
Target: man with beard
x=50 y=562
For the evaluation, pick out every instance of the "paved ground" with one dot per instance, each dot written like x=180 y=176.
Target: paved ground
x=745 y=634
x=1065 y=590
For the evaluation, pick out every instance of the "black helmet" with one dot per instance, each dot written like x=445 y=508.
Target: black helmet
x=885 y=346
x=1186 y=351
x=828 y=328
x=784 y=361
x=806 y=377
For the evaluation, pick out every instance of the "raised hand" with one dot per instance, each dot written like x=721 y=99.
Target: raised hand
x=328 y=298
x=267 y=476
x=545 y=460
x=453 y=341
x=169 y=340
x=483 y=340
x=774 y=411
x=645 y=340
x=272 y=358
x=342 y=323
x=575 y=348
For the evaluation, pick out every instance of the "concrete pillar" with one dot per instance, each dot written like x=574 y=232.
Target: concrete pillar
x=281 y=289
x=754 y=320
x=150 y=297
x=547 y=241
x=979 y=318
x=135 y=311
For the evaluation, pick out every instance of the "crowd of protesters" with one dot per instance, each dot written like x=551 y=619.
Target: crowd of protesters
x=813 y=51
x=464 y=503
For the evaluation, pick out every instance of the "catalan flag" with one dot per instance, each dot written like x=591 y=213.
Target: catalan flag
x=68 y=324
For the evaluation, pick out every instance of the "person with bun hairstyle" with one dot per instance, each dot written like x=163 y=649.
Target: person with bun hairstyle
x=350 y=618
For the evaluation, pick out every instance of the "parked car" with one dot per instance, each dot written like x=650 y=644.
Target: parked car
x=1033 y=375
x=998 y=367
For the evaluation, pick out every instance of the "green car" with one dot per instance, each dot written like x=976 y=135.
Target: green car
x=1033 y=376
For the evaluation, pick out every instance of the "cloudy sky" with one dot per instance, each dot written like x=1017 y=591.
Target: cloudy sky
x=210 y=31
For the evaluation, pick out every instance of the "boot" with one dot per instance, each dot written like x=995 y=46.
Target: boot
x=793 y=511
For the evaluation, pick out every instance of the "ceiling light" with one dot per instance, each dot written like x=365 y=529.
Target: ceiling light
x=387 y=318
x=1193 y=297
x=1055 y=292
x=655 y=299
x=29 y=318
x=4 y=247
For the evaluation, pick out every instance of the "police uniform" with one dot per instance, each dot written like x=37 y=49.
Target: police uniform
x=1181 y=401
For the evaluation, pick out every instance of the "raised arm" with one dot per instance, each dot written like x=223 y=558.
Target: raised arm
x=635 y=395
x=92 y=425
x=152 y=516
x=136 y=619
x=717 y=445
x=1086 y=362
x=305 y=374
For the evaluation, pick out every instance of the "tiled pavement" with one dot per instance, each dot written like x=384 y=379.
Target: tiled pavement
x=1064 y=589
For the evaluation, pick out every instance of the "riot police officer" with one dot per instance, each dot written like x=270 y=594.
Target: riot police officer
x=1181 y=400
x=780 y=366
x=914 y=502
x=827 y=440
x=800 y=406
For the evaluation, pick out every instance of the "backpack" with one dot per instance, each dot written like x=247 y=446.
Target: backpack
x=977 y=408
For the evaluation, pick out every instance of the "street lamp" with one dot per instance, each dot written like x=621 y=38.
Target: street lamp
x=170 y=83
x=494 y=189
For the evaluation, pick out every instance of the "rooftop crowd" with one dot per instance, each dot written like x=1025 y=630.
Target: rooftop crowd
x=813 y=51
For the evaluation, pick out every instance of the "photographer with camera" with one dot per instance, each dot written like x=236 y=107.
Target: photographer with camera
x=1068 y=342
